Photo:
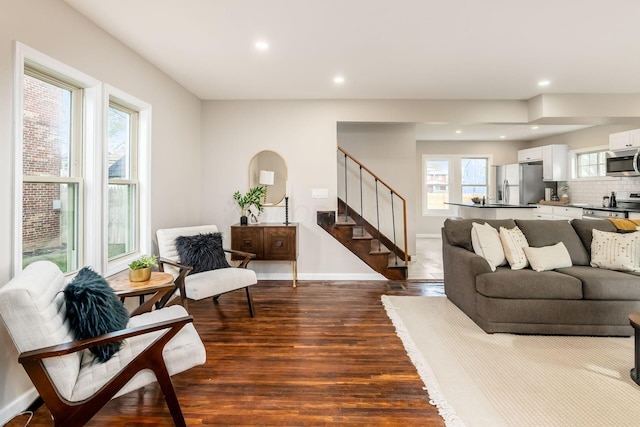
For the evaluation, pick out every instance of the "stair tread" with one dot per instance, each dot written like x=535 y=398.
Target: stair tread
x=345 y=220
x=378 y=248
x=359 y=233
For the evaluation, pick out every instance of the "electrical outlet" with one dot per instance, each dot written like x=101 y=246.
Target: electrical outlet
x=319 y=193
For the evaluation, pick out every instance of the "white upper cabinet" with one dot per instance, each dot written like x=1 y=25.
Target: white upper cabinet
x=553 y=157
x=555 y=162
x=624 y=140
x=530 y=155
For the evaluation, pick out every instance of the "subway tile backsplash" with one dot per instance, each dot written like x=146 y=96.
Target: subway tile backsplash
x=592 y=191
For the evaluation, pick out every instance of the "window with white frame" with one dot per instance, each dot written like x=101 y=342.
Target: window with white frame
x=82 y=196
x=590 y=164
x=452 y=178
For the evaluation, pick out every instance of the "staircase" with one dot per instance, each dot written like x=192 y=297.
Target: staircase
x=356 y=232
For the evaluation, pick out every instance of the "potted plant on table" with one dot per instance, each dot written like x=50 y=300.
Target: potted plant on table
x=140 y=269
x=250 y=202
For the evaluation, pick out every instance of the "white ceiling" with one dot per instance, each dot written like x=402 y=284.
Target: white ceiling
x=489 y=132
x=401 y=49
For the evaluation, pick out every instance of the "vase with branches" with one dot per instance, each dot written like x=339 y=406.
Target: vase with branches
x=251 y=202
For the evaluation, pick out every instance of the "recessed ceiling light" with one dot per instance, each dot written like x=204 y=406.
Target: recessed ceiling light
x=502 y=137
x=458 y=131
x=544 y=83
x=262 y=45
x=338 y=80
x=534 y=127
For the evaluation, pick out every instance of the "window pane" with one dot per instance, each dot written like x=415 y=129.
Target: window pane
x=437 y=184
x=46 y=129
x=469 y=192
x=119 y=145
x=474 y=171
x=50 y=224
x=122 y=223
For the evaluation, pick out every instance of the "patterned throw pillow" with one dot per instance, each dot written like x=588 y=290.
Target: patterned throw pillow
x=513 y=240
x=486 y=243
x=615 y=251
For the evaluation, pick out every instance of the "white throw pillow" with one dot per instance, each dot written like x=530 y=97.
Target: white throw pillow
x=548 y=257
x=616 y=251
x=513 y=240
x=486 y=243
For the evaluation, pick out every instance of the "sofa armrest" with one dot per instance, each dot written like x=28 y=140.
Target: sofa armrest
x=460 y=270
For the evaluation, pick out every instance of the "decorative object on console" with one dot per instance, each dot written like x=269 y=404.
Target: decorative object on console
x=250 y=202
x=266 y=179
x=286 y=210
x=140 y=269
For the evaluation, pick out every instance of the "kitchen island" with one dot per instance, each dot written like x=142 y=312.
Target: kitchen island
x=494 y=211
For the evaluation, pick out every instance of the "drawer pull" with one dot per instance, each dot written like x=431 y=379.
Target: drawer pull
x=247 y=243
x=279 y=244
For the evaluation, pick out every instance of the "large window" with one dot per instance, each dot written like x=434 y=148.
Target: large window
x=51 y=170
x=81 y=195
x=452 y=178
x=122 y=169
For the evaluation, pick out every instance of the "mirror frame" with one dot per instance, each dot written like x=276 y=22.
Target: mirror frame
x=271 y=161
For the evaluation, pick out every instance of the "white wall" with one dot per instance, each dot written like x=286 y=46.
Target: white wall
x=60 y=32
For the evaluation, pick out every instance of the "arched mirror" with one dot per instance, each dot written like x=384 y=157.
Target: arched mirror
x=267 y=168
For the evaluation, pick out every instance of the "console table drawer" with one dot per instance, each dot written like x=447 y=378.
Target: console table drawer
x=247 y=239
x=280 y=243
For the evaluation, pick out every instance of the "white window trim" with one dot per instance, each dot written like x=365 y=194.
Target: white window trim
x=144 y=178
x=573 y=162
x=93 y=236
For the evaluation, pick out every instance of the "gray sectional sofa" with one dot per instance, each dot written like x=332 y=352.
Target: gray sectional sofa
x=576 y=300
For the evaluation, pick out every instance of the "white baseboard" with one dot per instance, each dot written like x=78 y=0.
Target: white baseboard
x=18 y=405
x=321 y=276
x=428 y=236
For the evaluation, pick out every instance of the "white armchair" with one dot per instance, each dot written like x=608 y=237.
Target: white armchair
x=205 y=284
x=71 y=382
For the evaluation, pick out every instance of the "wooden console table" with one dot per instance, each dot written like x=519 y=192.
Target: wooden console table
x=269 y=241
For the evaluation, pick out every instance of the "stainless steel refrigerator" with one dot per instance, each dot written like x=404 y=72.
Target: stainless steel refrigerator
x=518 y=184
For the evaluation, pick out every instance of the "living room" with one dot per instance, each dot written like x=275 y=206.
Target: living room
x=202 y=146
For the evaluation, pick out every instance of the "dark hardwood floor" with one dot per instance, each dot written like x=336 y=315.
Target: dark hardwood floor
x=322 y=354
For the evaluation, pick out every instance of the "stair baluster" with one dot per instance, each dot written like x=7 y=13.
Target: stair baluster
x=393 y=221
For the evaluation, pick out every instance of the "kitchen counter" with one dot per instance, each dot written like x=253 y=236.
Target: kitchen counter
x=494 y=211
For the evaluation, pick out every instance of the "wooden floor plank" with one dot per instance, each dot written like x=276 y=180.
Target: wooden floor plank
x=323 y=353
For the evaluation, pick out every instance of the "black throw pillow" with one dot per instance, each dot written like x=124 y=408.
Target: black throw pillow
x=93 y=309
x=203 y=252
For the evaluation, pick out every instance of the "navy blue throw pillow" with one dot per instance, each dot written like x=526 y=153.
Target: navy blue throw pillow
x=93 y=309
x=203 y=252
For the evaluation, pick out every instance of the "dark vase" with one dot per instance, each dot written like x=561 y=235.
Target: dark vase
x=244 y=220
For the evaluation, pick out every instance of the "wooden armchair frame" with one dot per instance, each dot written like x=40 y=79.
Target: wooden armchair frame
x=67 y=413
x=185 y=270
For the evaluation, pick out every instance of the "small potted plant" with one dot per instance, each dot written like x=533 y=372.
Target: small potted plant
x=140 y=269
x=250 y=202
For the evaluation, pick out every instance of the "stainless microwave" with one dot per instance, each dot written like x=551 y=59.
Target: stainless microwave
x=623 y=163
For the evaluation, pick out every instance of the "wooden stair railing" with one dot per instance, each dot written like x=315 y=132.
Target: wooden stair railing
x=383 y=254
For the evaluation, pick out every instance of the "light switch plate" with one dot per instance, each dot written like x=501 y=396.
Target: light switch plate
x=319 y=193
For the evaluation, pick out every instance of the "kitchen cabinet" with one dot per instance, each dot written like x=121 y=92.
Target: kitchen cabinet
x=527 y=155
x=555 y=162
x=624 y=140
x=557 y=212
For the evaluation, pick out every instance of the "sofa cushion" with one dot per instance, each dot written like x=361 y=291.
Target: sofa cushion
x=546 y=233
x=548 y=257
x=486 y=243
x=584 y=229
x=458 y=230
x=601 y=284
x=615 y=251
x=528 y=284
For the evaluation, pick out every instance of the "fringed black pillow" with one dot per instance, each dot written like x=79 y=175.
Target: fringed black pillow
x=93 y=309
x=203 y=252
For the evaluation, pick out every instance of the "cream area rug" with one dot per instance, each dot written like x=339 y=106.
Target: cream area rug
x=480 y=379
